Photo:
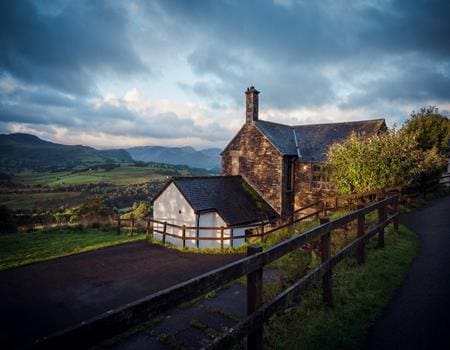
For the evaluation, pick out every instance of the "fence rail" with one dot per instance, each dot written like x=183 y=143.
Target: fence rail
x=119 y=320
x=262 y=231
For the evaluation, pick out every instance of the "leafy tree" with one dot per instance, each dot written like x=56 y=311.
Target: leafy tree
x=385 y=160
x=140 y=210
x=430 y=128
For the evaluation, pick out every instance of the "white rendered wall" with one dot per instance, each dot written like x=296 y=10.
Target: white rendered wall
x=213 y=219
x=171 y=206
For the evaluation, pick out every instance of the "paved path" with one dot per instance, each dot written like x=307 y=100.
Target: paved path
x=39 y=299
x=418 y=317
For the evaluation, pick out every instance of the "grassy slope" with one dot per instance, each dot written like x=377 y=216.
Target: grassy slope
x=43 y=199
x=360 y=294
x=22 y=249
x=124 y=175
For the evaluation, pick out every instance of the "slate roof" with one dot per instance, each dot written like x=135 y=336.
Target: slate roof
x=313 y=140
x=231 y=196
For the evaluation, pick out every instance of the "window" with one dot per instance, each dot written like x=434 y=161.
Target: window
x=319 y=178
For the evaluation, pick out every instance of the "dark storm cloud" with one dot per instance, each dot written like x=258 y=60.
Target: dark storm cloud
x=66 y=47
x=289 y=48
x=349 y=54
x=415 y=82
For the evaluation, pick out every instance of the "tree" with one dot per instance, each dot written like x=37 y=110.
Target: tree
x=140 y=210
x=385 y=160
x=430 y=128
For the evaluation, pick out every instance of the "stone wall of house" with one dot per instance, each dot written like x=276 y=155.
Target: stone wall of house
x=311 y=184
x=258 y=161
x=302 y=184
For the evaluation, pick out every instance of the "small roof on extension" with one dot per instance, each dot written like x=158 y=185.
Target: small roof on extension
x=231 y=196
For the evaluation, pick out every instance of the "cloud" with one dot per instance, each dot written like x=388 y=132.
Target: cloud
x=175 y=72
x=67 y=48
x=301 y=53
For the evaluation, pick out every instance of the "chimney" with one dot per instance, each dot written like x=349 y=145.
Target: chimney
x=251 y=99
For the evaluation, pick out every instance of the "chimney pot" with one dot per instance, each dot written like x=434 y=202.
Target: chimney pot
x=251 y=99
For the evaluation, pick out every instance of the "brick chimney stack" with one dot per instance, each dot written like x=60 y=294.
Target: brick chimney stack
x=251 y=99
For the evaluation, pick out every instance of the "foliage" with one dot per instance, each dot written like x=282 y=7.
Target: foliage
x=385 y=160
x=26 y=248
x=7 y=223
x=430 y=128
x=94 y=206
x=360 y=294
x=140 y=210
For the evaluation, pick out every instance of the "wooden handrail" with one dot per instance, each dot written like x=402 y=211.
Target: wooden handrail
x=118 y=320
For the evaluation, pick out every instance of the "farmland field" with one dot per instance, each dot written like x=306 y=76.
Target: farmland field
x=123 y=175
x=41 y=199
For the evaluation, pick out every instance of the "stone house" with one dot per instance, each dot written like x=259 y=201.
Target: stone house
x=284 y=163
x=268 y=171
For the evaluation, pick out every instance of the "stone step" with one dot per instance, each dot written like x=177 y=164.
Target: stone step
x=196 y=325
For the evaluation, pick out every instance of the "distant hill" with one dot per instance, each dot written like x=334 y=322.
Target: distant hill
x=24 y=151
x=207 y=158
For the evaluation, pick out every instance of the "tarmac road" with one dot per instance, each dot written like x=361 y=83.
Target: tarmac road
x=42 y=298
x=418 y=317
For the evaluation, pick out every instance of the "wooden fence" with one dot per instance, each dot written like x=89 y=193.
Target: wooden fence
x=224 y=234
x=119 y=320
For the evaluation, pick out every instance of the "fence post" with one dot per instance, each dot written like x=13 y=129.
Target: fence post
x=263 y=237
x=254 y=300
x=184 y=236
x=147 y=228
x=221 y=237
x=317 y=210
x=132 y=226
x=164 y=232
x=381 y=218
x=325 y=249
x=360 y=251
x=396 y=211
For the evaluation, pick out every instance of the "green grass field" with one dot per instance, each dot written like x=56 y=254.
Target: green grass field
x=124 y=175
x=25 y=248
x=41 y=200
x=359 y=294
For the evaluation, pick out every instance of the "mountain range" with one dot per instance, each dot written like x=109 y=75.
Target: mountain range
x=19 y=151
x=206 y=158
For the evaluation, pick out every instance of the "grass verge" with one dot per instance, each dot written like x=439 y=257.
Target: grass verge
x=360 y=294
x=25 y=248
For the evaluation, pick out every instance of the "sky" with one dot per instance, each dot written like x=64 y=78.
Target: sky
x=113 y=74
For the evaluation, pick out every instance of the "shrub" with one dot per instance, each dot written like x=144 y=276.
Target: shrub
x=430 y=128
x=385 y=160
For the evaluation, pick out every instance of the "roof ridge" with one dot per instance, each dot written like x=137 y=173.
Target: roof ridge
x=327 y=123
x=205 y=177
x=270 y=122
x=344 y=122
